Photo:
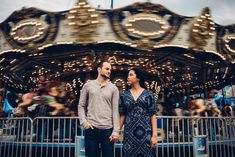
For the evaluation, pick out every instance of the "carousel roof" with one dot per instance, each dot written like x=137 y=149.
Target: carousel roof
x=182 y=52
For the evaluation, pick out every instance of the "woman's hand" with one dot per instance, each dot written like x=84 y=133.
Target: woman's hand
x=153 y=142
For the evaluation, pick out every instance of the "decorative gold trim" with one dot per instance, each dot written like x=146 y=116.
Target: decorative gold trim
x=83 y=19
x=132 y=31
x=227 y=39
x=143 y=42
x=31 y=13
x=122 y=81
x=41 y=28
x=202 y=30
x=218 y=54
x=12 y=50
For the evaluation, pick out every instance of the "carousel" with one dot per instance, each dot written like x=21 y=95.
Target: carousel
x=179 y=54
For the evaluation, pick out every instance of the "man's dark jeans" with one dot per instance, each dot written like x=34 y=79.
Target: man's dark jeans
x=94 y=137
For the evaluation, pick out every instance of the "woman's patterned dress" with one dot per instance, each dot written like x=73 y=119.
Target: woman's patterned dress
x=137 y=131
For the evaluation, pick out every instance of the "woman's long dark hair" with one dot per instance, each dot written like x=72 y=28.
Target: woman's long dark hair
x=141 y=76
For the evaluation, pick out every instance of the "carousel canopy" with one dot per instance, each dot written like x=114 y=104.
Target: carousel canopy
x=179 y=52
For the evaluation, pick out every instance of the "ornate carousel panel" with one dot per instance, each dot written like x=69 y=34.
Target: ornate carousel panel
x=145 y=25
x=30 y=28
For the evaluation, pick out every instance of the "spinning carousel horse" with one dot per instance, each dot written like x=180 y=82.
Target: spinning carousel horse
x=26 y=100
x=206 y=106
x=48 y=100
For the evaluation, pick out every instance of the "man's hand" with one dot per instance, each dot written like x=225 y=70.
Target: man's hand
x=114 y=138
x=88 y=126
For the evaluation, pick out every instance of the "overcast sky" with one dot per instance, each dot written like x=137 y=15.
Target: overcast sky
x=222 y=10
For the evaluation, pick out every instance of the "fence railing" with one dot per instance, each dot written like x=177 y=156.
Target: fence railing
x=57 y=136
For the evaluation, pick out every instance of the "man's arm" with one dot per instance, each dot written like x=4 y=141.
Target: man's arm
x=82 y=106
x=116 y=117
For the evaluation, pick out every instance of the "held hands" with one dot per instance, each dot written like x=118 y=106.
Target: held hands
x=114 y=138
x=153 y=142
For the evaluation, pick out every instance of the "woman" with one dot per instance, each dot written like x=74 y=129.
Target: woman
x=137 y=110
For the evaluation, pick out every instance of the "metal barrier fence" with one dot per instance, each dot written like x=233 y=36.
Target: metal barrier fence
x=16 y=137
x=56 y=136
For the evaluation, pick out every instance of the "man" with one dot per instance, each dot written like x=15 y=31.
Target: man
x=98 y=113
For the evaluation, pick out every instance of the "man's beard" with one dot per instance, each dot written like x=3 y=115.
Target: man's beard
x=104 y=76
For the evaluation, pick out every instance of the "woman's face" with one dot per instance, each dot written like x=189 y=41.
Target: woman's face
x=132 y=79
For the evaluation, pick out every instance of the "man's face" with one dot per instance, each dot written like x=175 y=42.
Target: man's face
x=105 y=71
